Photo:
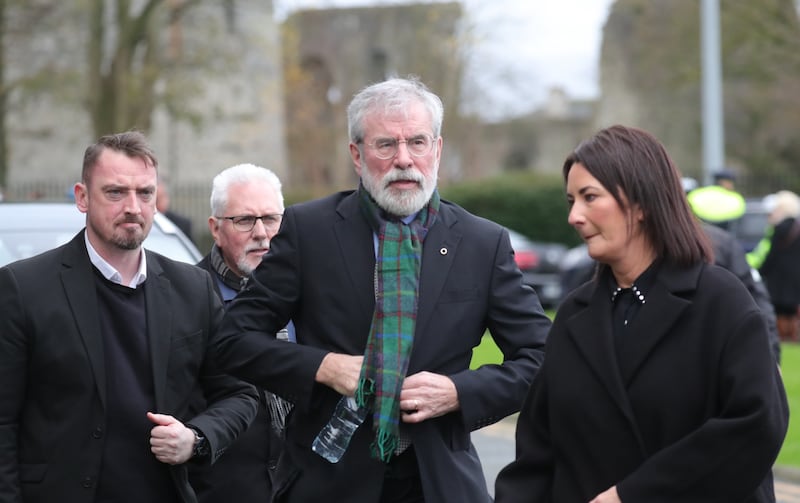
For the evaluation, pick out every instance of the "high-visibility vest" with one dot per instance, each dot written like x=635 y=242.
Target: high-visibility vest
x=716 y=204
x=757 y=256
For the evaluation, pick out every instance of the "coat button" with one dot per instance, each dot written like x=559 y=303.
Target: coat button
x=98 y=432
x=88 y=482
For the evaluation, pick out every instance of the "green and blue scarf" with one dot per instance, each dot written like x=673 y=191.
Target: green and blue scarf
x=391 y=336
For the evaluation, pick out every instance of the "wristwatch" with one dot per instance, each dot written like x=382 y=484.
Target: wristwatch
x=200 y=449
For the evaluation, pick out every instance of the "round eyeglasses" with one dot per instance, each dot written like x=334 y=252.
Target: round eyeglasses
x=246 y=223
x=386 y=148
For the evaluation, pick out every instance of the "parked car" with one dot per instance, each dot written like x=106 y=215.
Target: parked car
x=29 y=228
x=539 y=262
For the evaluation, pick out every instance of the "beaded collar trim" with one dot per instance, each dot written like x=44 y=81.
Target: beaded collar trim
x=637 y=294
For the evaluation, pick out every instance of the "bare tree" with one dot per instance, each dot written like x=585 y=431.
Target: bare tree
x=19 y=20
x=125 y=59
x=3 y=99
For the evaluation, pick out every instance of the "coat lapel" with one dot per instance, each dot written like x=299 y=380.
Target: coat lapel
x=77 y=277
x=657 y=316
x=159 y=309
x=590 y=329
x=439 y=248
x=358 y=252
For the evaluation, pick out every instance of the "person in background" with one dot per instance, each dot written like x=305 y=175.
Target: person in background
x=781 y=267
x=246 y=211
x=726 y=179
x=390 y=289
x=756 y=256
x=101 y=344
x=728 y=253
x=659 y=384
x=163 y=206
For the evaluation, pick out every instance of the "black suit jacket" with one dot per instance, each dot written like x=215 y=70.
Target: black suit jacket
x=319 y=274
x=243 y=473
x=52 y=415
x=692 y=411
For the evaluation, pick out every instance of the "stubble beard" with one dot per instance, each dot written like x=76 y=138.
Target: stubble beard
x=129 y=239
x=127 y=242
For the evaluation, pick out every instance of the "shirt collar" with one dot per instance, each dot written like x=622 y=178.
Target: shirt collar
x=109 y=272
x=640 y=287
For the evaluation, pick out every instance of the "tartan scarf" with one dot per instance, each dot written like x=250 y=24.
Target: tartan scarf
x=391 y=335
x=230 y=278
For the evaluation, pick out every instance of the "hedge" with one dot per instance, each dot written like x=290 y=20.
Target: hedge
x=530 y=203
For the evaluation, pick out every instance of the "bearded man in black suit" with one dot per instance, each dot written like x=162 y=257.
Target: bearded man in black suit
x=390 y=289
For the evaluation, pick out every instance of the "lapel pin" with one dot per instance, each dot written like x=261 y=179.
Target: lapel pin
x=443 y=250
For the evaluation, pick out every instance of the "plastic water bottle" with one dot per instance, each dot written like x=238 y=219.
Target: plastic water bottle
x=283 y=334
x=333 y=439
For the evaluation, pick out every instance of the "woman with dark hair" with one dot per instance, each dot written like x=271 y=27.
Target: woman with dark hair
x=658 y=382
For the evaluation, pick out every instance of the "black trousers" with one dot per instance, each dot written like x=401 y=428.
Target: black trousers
x=402 y=482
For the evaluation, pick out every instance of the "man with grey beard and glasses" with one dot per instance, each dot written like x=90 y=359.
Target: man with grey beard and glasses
x=246 y=210
x=390 y=289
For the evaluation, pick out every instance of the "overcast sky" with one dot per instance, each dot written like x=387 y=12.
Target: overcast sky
x=523 y=47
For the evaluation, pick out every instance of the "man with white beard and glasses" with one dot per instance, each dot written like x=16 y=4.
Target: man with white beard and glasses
x=390 y=289
x=246 y=211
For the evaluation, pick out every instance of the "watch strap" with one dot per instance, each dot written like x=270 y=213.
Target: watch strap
x=200 y=449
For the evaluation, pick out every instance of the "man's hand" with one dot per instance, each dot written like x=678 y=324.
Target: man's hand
x=170 y=441
x=607 y=496
x=340 y=372
x=426 y=395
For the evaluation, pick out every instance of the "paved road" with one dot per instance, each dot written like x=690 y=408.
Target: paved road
x=495 y=445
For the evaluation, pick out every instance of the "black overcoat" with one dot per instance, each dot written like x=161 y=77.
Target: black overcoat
x=692 y=411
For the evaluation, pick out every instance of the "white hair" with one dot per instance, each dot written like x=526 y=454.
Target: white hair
x=241 y=173
x=781 y=205
x=394 y=95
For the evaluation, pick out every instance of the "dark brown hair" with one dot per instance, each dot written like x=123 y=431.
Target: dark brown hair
x=131 y=143
x=633 y=165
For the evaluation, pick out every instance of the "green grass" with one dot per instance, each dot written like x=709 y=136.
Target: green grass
x=790 y=367
x=488 y=352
